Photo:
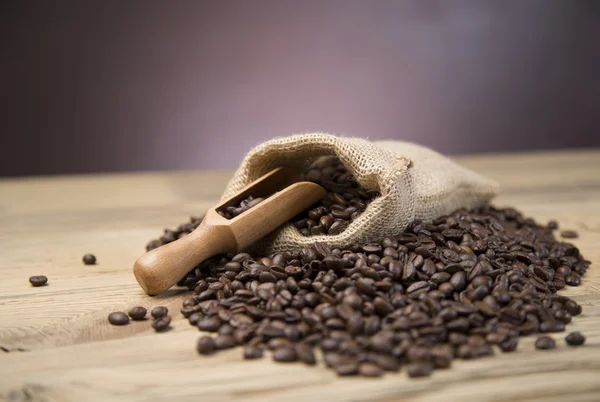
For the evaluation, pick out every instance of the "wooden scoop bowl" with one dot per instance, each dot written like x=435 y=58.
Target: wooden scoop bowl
x=161 y=268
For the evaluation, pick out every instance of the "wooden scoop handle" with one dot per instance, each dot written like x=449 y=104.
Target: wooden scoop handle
x=157 y=270
x=161 y=268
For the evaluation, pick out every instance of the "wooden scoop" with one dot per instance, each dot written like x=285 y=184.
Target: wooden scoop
x=161 y=268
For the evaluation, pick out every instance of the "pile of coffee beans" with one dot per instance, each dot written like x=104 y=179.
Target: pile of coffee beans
x=244 y=205
x=344 y=201
x=464 y=286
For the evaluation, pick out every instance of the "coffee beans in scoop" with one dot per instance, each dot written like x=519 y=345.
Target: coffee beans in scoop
x=244 y=205
x=463 y=286
x=38 y=280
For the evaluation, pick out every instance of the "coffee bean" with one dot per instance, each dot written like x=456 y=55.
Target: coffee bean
x=253 y=352
x=162 y=323
x=89 y=259
x=305 y=354
x=138 y=313
x=573 y=308
x=545 y=342
x=39 y=280
x=206 y=345
x=209 y=324
x=458 y=280
x=552 y=326
x=573 y=279
x=575 y=339
x=420 y=369
x=370 y=370
x=569 y=234
x=285 y=355
x=224 y=342
x=346 y=368
x=118 y=318
x=160 y=311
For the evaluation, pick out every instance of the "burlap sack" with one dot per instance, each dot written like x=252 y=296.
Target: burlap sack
x=414 y=182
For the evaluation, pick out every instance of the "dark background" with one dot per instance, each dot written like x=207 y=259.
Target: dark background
x=90 y=86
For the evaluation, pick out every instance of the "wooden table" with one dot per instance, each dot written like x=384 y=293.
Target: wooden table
x=59 y=345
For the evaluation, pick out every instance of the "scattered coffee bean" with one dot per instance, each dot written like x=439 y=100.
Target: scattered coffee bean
x=38 y=280
x=545 y=342
x=159 y=311
x=569 y=234
x=138 y=313
x=89 y=259
x=575 y=339
x=253 y=352
x=118 y=318
x=161 y=324
x=206 y=345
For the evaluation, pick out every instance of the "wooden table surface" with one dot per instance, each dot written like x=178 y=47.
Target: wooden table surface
x=59 y=346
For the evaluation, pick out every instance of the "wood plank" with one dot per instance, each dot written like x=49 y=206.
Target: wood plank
x=73 y=354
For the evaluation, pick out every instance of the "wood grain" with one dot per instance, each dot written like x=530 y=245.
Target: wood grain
x=73 y=354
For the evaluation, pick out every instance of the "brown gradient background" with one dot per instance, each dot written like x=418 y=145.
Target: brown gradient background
x=91 y=86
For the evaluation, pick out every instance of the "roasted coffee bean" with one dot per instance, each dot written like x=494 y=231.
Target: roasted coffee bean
x=224 y=342
x=575 y=339
x=89 y=259
x=285 y=355
x=545 y=342
x=162 y=323
x=305 y=353
x=159 y=311
x=346 y=368
x=39 y=280
x=138 y=313
x=420 y=369
x=206 y=345
x=209 y=324
x=572 y=307
x=573 y=279
x=253 y=352
x=370 y=370
x=118 y=318
x=569 y=234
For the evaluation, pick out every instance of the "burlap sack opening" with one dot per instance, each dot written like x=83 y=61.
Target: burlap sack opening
x=414 y=182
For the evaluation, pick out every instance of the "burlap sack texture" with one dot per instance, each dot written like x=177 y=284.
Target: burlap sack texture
x=414 y=182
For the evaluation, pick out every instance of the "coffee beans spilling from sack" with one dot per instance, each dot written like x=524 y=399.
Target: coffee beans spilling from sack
x=465 y=286
x=345 y=200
